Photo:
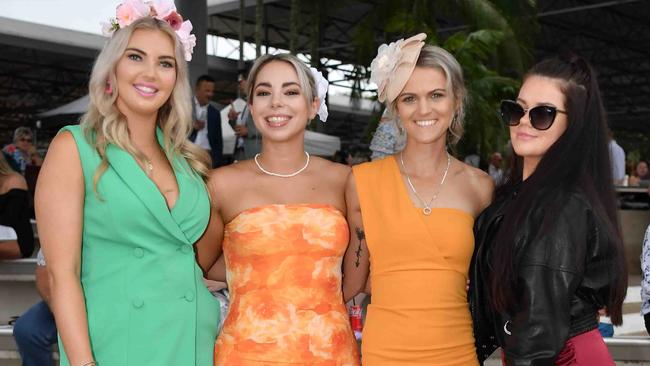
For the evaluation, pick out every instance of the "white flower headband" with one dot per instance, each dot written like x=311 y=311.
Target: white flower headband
x=131 y=10
x=322 y=85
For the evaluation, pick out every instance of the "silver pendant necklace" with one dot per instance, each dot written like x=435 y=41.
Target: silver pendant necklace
x=278 y=174
x=148 y=164
x=427 y=207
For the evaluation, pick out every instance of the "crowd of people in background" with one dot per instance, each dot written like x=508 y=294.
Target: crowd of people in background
x=16 y=202
x=35 y=330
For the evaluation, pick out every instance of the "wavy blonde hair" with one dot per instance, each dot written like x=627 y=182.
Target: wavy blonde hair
x=5 y=168
x=104 y=124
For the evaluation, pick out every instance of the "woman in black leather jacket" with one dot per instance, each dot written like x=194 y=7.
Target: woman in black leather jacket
x=549 y=253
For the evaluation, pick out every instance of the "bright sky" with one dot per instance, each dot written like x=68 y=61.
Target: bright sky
x=81 y=15
x=86 y=15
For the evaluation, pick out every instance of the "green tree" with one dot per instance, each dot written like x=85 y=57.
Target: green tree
x=491 y=39
x=484 y=132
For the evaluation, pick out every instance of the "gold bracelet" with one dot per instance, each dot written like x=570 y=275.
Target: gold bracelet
x=91 y=363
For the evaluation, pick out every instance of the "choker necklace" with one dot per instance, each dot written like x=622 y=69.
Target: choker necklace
x=427 y=207
x=278 y=174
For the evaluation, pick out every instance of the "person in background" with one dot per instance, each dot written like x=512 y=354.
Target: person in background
x=617 y=160
x=494 y=169
x=248 y=142
x=473 y=159
x=35 y=330
x=645 y=274
x=641 y=176
x=15 y=212
x=23 y=151
x=388 y=139
x=605 y=326
x=206 y=125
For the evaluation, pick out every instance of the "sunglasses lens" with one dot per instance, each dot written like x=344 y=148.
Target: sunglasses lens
x=542 y=117
x=511 y=112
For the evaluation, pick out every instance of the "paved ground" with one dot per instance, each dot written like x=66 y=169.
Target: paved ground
x=632 y=320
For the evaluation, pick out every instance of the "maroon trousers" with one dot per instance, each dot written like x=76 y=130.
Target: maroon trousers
x=586 y=349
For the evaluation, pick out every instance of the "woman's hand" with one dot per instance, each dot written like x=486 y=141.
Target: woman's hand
x=214 y=286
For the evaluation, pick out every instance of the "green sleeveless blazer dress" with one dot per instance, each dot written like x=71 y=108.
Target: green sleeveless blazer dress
x=145 y=298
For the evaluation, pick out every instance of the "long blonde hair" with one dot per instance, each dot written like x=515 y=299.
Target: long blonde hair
x=5 y=168
x=104 y=124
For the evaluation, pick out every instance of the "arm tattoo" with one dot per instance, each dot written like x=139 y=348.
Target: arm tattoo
x=361 y=236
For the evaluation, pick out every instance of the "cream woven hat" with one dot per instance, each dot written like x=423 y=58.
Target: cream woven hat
x=393 y=66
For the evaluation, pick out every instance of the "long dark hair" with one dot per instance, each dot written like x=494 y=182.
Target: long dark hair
x=577 y=161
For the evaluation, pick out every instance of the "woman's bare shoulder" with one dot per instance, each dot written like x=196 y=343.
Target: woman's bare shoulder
x=479 y=182
x=62 y=148
x=331 y=170
x=13 y=181
x=230 y=175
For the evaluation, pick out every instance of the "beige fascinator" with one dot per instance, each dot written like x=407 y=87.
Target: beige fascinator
x=393 y=66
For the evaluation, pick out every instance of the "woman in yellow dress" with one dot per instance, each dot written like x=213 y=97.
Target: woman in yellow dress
x=281 y=218
x=412 y=215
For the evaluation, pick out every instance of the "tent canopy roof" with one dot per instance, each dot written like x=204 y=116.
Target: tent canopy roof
x=45 y=67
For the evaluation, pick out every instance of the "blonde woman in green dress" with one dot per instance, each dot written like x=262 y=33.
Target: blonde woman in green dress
x=120 y=204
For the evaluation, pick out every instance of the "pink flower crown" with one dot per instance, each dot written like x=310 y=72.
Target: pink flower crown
x=131 y=10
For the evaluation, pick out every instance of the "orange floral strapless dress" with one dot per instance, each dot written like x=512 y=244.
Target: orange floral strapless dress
x=284 y=277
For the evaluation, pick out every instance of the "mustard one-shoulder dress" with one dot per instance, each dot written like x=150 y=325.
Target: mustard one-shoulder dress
x=419 y=264
x=284 y=274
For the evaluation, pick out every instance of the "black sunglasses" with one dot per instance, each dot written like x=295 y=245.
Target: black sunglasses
x=541 y=117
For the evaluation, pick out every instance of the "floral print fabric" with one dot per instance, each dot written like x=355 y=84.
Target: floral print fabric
x=387 y=140
x=284 y=274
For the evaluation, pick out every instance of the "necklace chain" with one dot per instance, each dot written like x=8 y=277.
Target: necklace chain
x=149 y=166
x=427 y=207
x=278 y=174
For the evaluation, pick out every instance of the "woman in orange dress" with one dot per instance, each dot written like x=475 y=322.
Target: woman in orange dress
x=281 y=217
x=412 y=215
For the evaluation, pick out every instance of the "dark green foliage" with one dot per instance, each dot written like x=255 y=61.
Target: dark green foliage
x=491 y=39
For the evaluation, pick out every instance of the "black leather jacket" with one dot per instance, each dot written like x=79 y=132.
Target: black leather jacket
x=564 y=273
